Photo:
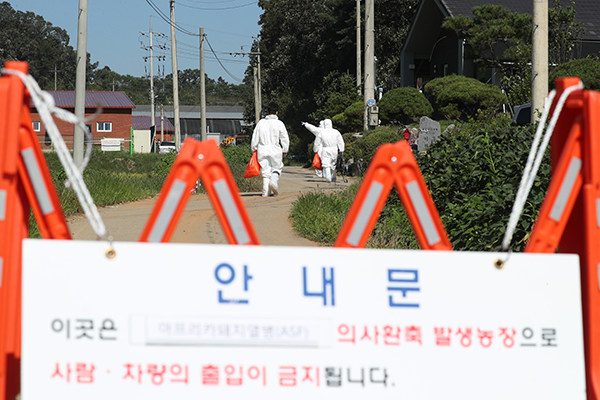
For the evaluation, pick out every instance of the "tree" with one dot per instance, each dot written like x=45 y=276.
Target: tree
x=404 y=105
x=301 y=43
x=25 y=36
x=501 y=39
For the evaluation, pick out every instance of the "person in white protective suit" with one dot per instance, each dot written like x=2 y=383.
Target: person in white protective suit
x=271 y=142
x=332 y=143
x=315 y=131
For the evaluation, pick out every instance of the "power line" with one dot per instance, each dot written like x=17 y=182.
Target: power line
x=219 y=9
x=222 y=66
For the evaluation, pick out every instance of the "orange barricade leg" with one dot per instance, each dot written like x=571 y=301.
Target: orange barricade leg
x=14 y=216
x=202 y=160
x=590 y=258
x=394 y=164
x=570 y=215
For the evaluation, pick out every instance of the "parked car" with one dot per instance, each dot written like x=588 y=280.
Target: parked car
x=166 y=147
x=522 y=114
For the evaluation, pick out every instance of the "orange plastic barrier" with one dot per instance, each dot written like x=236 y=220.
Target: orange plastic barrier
x=394 y=164
x=202 y=160
x=569 y=218
x=24 y=181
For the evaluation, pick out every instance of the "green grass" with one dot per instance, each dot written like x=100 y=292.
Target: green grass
x=118 y=177
x=319 y=217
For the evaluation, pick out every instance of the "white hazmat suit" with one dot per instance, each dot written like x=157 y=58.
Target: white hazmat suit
x=315 y=131
x=332 y=143
x=270 y=140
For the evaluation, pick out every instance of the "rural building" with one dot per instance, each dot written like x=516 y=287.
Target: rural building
x=220 y=120
x=142 y=136
x=430 y=52
x=113 y=122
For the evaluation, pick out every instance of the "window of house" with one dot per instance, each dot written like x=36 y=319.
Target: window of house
x=36 y=126
x=104 y=126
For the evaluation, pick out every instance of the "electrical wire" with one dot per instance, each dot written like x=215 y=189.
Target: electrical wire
x=222 y=66
x=218 y=9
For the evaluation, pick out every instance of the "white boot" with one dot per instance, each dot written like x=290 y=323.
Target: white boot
x=266 y=189
x=327 y=174
x=274 y=185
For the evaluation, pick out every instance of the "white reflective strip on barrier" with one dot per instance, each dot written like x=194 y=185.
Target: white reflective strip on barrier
x=37 y=181
x=231 y=212
x=565 y=190
x=365 y=213
x=167 y=211
x=425 y=219
x=598 y=213
x=3 y=196
x=1 y=270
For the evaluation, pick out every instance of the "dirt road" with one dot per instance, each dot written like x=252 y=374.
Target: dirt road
x=199 y=223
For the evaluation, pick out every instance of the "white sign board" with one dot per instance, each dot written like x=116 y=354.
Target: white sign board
x=177 y=321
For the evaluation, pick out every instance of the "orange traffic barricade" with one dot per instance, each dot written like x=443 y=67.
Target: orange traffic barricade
x=394 y=164
x=569 y=219
x=202 y=160
x=24 y=181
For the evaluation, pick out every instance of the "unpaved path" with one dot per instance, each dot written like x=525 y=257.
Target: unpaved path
x=199 y=223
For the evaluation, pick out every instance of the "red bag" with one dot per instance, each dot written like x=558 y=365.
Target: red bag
x=317 y=162
x=253 y=167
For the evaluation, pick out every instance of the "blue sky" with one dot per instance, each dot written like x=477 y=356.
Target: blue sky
x=114 y=27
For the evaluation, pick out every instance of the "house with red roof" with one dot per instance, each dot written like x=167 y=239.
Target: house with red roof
x=114 y=121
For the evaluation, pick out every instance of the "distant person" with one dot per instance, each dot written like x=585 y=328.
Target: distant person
x=332 y=145
x=271 y=142
x=315 y=131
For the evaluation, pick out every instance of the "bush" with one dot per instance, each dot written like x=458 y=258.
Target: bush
x=588 y=70
x=351 y=120
x=237 y=158
x=473 y=178
x=403 y=105
x=458 y=97
x=364 y=147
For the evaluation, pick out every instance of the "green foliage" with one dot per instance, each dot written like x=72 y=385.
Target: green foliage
x=303 y=42
x=496 y=35
x=473 y=177
x=364 y=147
x=351 y=120
x=458 y=97
x=588 y=70
x=25 y=36
x=237 y=158
x=337 y=92
x=318 y=216
x=403 y=105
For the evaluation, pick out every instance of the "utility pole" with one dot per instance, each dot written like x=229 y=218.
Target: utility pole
x=257 y=83
x=162 y=123
x=256 y=106
x=369 y=89
x=78 y=133
x=151 y=48
x=539 y=58
x=175 y=79
x=358 y=48
x=55 y=76
x=202 y=88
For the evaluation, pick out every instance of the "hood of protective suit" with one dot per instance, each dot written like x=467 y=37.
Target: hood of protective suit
x=327 y=124
x=322 y=124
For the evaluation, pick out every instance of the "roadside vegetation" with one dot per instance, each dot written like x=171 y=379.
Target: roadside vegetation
x=118 y=177
x=473 y=174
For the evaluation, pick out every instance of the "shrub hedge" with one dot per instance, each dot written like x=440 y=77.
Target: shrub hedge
x=461 y=98
x=403 y=105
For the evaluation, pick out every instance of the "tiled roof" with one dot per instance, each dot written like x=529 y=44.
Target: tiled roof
x=141 y=123
x=588 y=11
x=66 y=99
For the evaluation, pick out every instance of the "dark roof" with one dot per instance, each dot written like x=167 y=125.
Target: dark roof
x=66 y=99
x=588 y=11
x=141 y=123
